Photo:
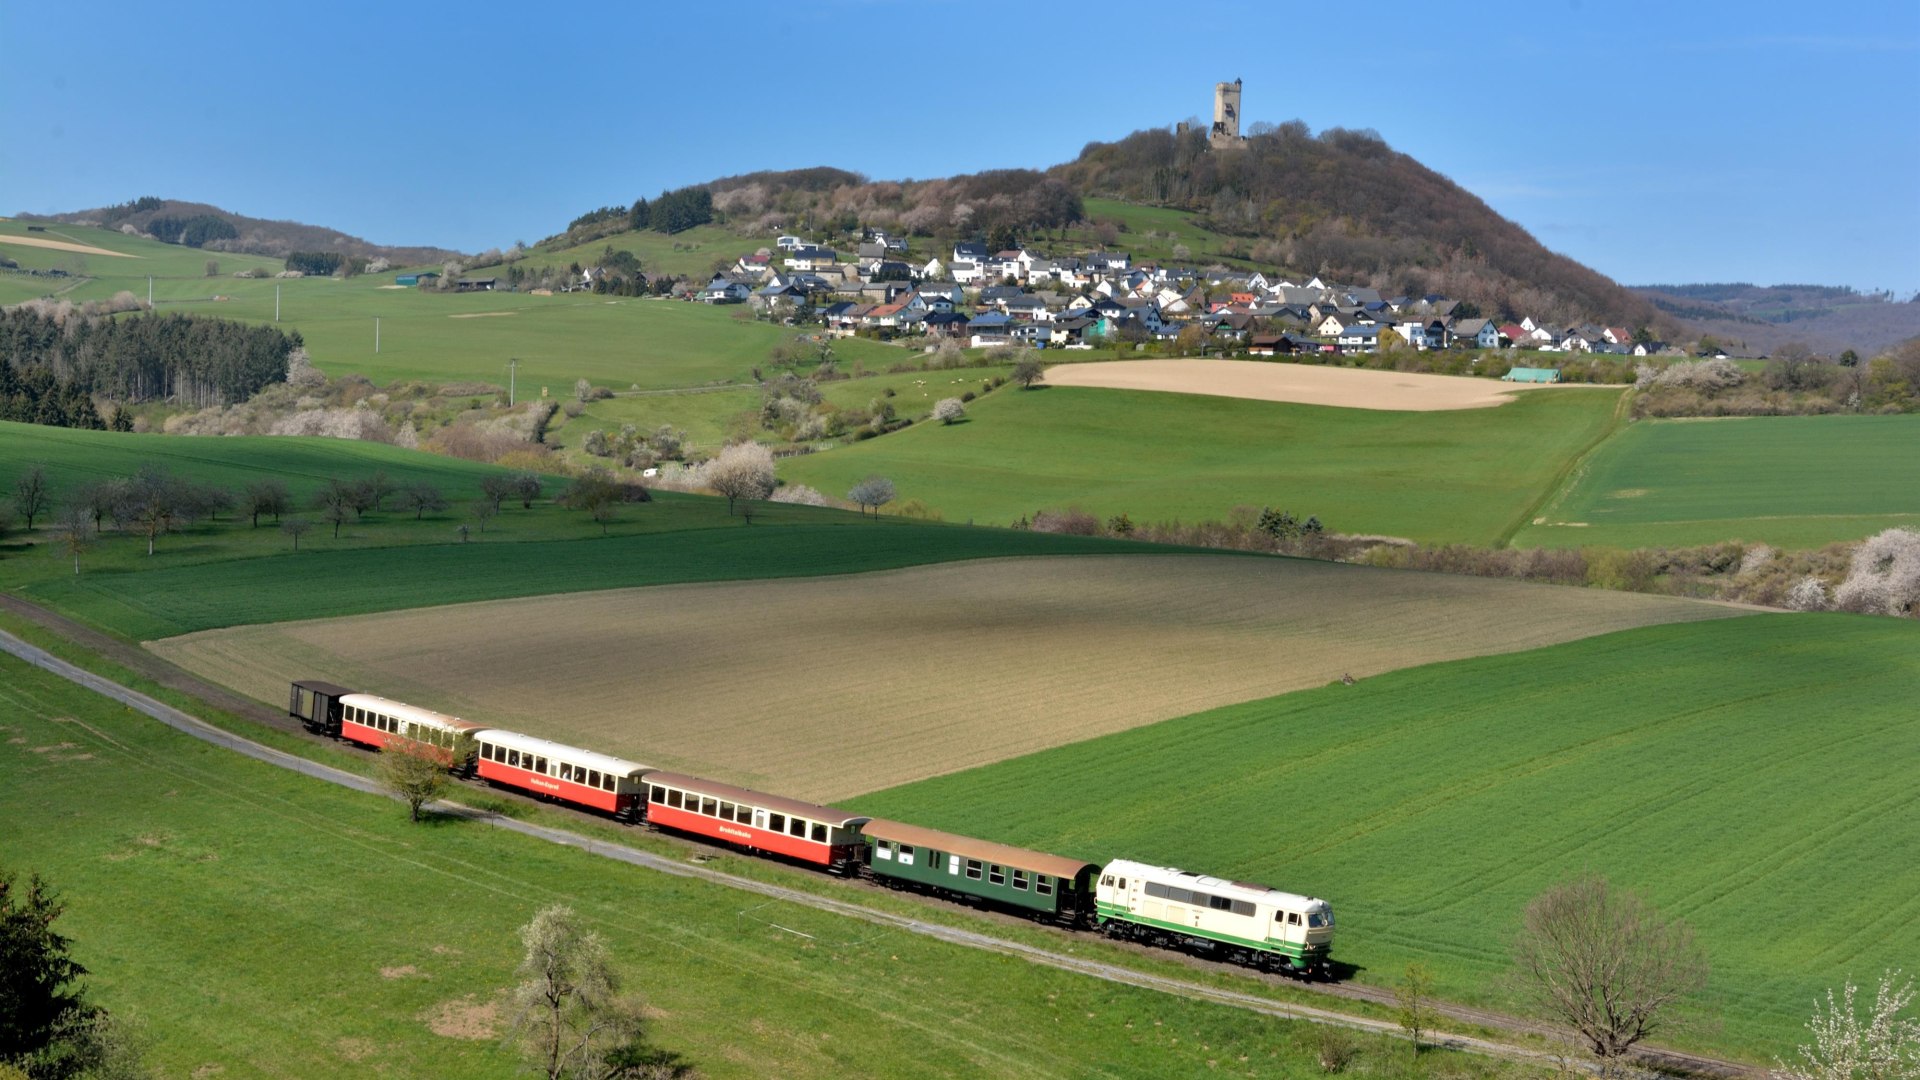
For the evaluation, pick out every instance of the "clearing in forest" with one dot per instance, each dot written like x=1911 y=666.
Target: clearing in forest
x=827 y=687
x=1302 y=384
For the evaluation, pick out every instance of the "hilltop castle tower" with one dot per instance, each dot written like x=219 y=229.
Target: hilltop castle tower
x=1226 y=116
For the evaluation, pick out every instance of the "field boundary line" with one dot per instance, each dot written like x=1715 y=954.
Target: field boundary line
x=194 y=727
x=1564 y=479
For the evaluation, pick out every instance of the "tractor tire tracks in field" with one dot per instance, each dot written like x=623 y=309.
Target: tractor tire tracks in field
x=149 y=666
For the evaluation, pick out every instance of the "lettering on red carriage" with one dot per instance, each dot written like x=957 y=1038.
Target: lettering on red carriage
x=545 y=785
x=738 y=833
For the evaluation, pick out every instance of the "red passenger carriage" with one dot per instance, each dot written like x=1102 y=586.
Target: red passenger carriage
x=821 y=835
x=566 y=773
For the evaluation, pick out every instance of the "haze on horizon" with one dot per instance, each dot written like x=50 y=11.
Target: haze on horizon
x=1709 y=143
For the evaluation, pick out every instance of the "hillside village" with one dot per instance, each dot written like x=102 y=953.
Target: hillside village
x=1024 y=296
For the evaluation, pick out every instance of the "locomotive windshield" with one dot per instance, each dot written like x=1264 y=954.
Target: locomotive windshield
x=1318 y=919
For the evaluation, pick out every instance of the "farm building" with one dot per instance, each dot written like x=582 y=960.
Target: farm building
x=1533 y=375
x=407 y=279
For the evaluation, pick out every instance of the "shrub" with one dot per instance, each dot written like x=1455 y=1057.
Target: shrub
x=949 y=410
x=1884 y=577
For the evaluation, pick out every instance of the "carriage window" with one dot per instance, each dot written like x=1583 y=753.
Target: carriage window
x=541 y=766
x=673 y=798
x=1293 y=918
x=1043 y=884
x=819 y=833
x=726 y=811
x=609 y=781
x=796 y=827
x=906 y=854
x=996 y=875
x=566 y=771
x=777 y=822
x=709 y=807
x=883 y=849
x=973 y=869
x=513 y=758
x=656 y=793
x=1020 y=880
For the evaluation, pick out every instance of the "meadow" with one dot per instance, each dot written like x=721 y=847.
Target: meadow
x=254 y=922
x=826 y=687
x=616 y=342
x=1751 y=775
x=710 y=417
x=1789 y=481
x=1446 y=477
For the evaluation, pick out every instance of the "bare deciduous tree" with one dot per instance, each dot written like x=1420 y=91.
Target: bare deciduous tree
x=266 y=497
x=1605 y=963
x=568 y=1015
x=872 y=493
x=421 y=497
x=154 y=501
x=1881 y=1045
x=483 y=512
x=296 y=528
x=526 y=488
x=1028 y=372
x=31 y=495
x=76 y=533
x=742 y=471
x=495 y=489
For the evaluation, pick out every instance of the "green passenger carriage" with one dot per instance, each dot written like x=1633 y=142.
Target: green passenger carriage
x=1049 y=886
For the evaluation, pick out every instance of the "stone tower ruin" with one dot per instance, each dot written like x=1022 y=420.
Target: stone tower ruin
x=1226 y=115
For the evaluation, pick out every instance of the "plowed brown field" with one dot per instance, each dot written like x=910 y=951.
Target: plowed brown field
x=828 y=687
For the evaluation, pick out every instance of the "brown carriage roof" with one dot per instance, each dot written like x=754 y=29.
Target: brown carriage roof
x=968 y=847
x=327 y=688
x=777 y=803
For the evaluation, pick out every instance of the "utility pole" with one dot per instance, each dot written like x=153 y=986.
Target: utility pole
x=149 y=292
x=376 y=334
x=276 y=303
x=513 y=370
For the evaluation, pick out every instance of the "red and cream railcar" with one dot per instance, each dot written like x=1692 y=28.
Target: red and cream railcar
x=566 y=773
x=821 y=835
x=376 y=721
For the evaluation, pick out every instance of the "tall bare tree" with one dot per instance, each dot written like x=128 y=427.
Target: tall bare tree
x=76 y=533
x=1605 y=963
x=568 y=1015
x=420 y=497
x=266 y=497
x=296 y=528
x=31 y=495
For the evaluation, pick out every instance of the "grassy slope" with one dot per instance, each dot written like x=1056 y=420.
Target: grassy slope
x=1752 y=775
x=611 y=341
x=1441 y=476
x=264 y=924
x=74 y=457
x=1791 y=481
x=709 y=416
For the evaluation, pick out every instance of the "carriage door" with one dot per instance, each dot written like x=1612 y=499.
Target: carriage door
x=759 y=819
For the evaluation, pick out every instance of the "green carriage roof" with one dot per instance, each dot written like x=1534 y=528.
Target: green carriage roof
x=968 y=847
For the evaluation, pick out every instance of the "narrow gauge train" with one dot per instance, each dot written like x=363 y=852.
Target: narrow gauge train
x=1236 y=921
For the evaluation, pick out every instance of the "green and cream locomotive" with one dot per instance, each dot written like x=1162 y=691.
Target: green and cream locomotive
x=1236 y=921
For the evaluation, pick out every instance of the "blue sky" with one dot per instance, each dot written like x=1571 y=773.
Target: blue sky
x=1656 y=142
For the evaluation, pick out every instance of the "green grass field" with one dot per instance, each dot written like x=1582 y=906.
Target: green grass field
x=1460 y=476
x=1751 y=775
x=1790 y=481
x=710 y=416
x=259 y=923
x=617 y=342
x=73 y=457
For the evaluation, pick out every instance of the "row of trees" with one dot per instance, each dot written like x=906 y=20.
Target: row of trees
x=196 y=360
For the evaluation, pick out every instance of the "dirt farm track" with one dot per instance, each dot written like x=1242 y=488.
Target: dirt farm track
x=1301 y=384
x=824 y=688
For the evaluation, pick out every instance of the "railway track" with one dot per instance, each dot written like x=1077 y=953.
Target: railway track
x=1656 y=1060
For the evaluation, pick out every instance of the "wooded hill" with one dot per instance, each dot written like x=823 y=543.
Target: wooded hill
x=1341 y=205
x=199 y=225
x=1762 y=318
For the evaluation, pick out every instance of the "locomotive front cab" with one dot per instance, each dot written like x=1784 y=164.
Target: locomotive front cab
x=1317 y=941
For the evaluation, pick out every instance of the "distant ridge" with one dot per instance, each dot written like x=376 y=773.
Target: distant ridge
x=1762 y=318
x=200 y=225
